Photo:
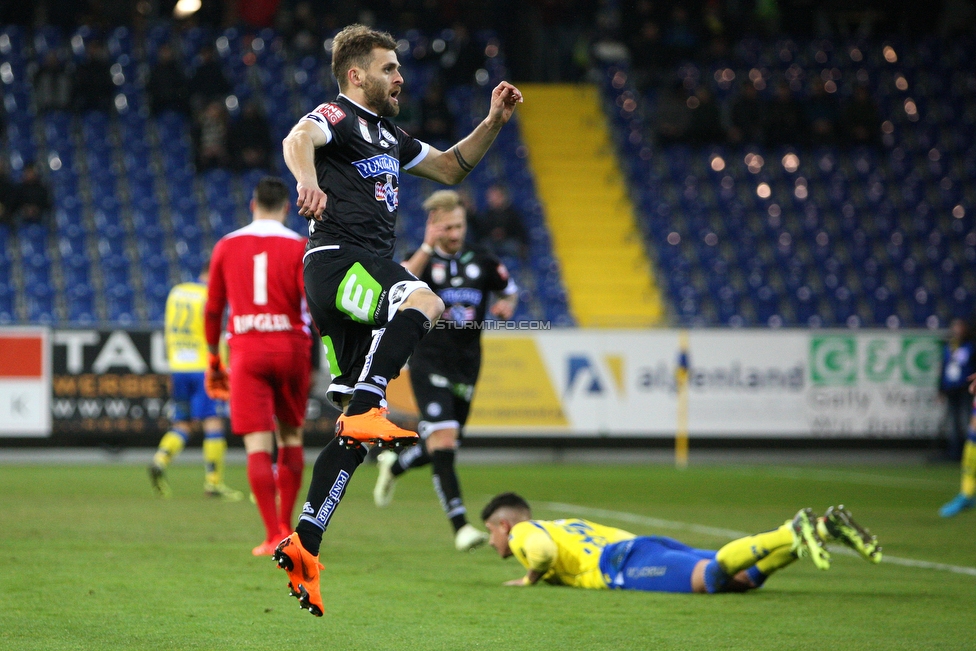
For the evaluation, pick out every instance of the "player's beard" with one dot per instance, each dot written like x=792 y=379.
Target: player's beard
x=378 y=98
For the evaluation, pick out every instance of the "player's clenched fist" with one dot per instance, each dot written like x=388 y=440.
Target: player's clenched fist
x=503 y=101
x=311 y=201
x=216 y=382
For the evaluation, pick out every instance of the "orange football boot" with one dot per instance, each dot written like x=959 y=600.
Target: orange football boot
x=373 y=427
x=303 y=573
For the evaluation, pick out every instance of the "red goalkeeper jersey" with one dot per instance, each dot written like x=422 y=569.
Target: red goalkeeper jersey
x=257 y=271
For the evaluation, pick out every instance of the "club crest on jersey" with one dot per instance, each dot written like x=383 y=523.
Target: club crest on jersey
x=364 y=129
x=378 y=166
x=387 y=135
x=386 y=192
x=331 y=112
x=438 y=273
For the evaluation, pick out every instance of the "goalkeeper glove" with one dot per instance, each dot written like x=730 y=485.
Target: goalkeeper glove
x=216 y=382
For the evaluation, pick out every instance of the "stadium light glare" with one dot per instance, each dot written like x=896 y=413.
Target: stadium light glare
x=185 y=8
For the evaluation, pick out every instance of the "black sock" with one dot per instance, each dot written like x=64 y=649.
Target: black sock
x=447 y=487
x=390 y=351
x=413 y=457
x=330 y=478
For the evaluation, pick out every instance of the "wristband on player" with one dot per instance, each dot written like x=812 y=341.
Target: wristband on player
x=427 y=248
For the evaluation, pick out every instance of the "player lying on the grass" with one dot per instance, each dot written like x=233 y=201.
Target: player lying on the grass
x=584 y=554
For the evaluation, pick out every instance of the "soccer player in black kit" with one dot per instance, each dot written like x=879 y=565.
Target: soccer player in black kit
x=346 y=156
x=444 y=367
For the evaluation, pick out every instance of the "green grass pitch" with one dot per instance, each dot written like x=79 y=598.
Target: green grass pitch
x=90 y=560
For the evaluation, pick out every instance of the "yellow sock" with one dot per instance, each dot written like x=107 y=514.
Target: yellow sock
x=214 y=451
x=170 y=447
x=969 y=469
x=777 y=560
x=746 y=552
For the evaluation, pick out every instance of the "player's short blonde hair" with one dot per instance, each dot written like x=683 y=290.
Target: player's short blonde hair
x=353 y=46
x=443 y=200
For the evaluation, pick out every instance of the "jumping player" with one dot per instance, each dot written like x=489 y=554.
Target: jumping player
x=347 y=156
x=257 y=271
x=186 y=352
x=584 y=554
x=444 y=368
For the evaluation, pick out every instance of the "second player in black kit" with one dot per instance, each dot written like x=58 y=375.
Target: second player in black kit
x=445 y=365
x=347 y=157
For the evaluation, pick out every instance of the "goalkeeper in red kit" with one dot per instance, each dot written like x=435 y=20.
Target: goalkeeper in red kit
x=256 y=272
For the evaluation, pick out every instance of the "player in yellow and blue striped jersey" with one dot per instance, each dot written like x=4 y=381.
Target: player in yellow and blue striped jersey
x=188 y=355
x=583 y=554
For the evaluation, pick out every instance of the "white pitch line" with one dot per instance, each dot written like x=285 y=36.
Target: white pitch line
x=718 y=532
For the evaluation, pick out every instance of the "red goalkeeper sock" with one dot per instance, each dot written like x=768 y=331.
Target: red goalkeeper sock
x=291 y=464
x=261 y=477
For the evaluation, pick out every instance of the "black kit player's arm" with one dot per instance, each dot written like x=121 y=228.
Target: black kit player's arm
x=452 y=166
x=299 y=149
x=499 y=281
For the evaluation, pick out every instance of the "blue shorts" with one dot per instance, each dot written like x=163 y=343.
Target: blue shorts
x=651 y=563
x=190 y=400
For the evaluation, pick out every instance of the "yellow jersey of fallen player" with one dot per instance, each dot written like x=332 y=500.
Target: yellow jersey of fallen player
x=186 y=341
x=566 y=552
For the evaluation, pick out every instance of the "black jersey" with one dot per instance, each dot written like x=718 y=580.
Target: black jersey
x=359 y=171
x=464 y=282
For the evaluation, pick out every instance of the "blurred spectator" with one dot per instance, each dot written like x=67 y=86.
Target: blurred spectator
x=747 y=116
x=957 y=18
x=861 y=121
x=250 y=139
x=462 y=58
x=706 y=118
x=93 y=87
x=167 y=87
x=52 y=86
x=302 y=31
x=958 y=363
x=210 y=134
x=680 y=40
x=822 y=114
x=673 y=114
x=501 y=228
x=646 y=54
x=784 y=119
x=33 y=197
x=208 y=83
x=436 y=120
x=8 y=193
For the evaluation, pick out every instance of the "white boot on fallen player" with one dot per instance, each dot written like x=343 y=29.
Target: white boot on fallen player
x=385 y=482
x=468 y=538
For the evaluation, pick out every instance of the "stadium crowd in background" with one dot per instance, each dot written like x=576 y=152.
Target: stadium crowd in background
x=27 y=201
x=958 y=363
x=444 y=367
x=256 y=274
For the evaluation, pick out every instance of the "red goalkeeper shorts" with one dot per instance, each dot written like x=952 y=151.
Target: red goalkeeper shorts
x=269 y=382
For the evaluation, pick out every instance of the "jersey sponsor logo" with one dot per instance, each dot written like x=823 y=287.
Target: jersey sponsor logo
x=380 y=165
x=364 y=129
x=438 y=273
x=461 y=295
x=359 y=295
x=331 y=112
x=244 y=323
x=387 y=193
